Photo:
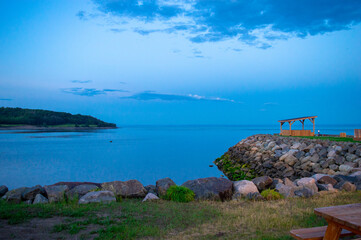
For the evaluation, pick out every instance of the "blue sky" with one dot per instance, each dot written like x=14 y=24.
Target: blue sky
x=184 y=61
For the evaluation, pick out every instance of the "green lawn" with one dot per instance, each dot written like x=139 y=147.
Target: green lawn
x=132 y=219
x=336 y=139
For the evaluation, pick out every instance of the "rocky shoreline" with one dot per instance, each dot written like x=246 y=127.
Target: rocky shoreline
x=212 y=188
x=291 y=157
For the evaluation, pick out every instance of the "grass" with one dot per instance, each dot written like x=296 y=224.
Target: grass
x=179 y=194
x=336 y=139
x=132 y=219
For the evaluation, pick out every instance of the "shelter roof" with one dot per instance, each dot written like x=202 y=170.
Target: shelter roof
x=296 y=119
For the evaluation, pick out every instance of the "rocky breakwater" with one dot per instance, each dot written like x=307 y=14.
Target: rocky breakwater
x=291 y=157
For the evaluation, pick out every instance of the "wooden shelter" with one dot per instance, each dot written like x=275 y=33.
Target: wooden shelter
x=302 y=132
x=357 y=136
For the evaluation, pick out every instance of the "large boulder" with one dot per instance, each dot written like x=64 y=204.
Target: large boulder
x=211 y=188
x=3 y=190
x=56 y=193
x=162 y=185
x=309 y=183
x=346 y=186
x=285 y=190
x=327 y=180
x=150 y=197
x=30 y=193
x=15 y=195
x=304 y=192
x=80 y=190
x=127 y=189
x=242 y=188
x=262 y=183
x=40 y=199
x=98 y=197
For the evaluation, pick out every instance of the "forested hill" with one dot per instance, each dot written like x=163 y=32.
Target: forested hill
x=35 y=117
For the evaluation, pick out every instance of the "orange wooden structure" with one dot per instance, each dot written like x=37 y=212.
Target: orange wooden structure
x=343 y=135
x=357 y=135
x=302 y=132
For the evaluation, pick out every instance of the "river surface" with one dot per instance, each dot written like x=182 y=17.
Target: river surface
x=145 y=153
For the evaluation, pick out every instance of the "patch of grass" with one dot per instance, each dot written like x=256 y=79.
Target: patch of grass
x=132 y=219
x=330 y=138
x=179 y=194
x=271 y=194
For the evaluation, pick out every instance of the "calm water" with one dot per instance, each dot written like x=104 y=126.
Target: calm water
x=146 y=153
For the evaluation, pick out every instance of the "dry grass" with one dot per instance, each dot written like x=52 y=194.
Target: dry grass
x=264 y=220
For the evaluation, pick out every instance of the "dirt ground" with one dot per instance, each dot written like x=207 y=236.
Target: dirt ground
x=39 y=229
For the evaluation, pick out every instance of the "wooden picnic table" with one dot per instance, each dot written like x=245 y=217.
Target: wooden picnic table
x=341 y=217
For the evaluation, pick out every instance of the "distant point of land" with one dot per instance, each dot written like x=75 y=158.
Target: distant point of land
x=21 y=118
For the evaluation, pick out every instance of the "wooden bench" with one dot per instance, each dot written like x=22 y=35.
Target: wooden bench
x=315 y=233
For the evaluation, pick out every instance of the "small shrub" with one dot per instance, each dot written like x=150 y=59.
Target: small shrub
x=179 y=194
x=271 y=194
x=118 y=198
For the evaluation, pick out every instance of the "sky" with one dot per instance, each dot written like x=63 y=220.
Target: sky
x=184 y=61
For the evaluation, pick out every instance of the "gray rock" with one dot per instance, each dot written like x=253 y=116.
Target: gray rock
x=162 y=185
x=150 y=197
x=262 y=183
x=80 y=190
x=325 y=187
x=40 y=199
x=318 y=176
x=98 y=197
x=331 y=153
x=304 y=192
x=309 y=183
x=275 y=182
x=289 y=183
x=151 y=189
x=346 y=186
x=254 y=196
x=30 y=193
x=284 y=190
x=327 y=180
x=3 y=190
x=315 y=158
x=127 y=189
x=211 y=188
x=242 y=188
x=15 y=195
x=345 y=168
x=56 y=193
x=290 y=159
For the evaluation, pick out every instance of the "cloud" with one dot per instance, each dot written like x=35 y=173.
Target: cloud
x=150 y=95
x=79 y=81
x=89 y=91
x=270 y=103
x=251 y=22
x=117 y=30
x=6 y=99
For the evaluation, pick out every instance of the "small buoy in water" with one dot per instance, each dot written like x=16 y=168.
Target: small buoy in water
x=111 y=141
x=211 y=165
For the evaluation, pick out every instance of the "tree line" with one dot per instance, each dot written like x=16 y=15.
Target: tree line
x=47 y=118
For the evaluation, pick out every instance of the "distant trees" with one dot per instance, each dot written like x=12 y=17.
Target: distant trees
x=47 y=118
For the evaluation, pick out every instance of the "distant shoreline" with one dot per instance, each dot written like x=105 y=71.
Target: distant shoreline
x=31 y=127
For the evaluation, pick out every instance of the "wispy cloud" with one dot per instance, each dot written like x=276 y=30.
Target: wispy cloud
x=90 y=91
x=270 y=103
x=252 y=22
x=150 y=95
x=80 y=81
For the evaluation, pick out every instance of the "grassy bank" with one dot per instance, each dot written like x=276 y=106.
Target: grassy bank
x=132 y=219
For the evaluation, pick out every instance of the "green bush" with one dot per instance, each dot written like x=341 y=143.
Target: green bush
x=271 y=194
x=179 y=194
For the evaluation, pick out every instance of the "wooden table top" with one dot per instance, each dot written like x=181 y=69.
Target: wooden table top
x=346 y=215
